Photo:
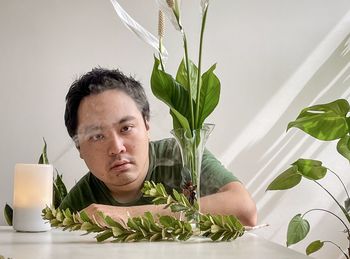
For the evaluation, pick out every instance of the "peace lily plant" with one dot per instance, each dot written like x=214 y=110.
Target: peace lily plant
x=326 y=122
x=190 y=95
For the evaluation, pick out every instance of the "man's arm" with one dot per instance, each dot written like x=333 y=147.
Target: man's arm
x=231 y=199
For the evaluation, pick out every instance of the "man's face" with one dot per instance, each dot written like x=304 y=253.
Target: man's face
x=113 y=140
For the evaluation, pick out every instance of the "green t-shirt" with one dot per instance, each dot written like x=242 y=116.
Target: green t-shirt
x=165 y=167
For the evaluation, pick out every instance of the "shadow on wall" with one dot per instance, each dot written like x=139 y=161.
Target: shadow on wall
x=330 y=81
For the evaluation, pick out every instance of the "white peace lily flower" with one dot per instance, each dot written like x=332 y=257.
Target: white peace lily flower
x=204 y=5
x=169 y=12
x=136 y=28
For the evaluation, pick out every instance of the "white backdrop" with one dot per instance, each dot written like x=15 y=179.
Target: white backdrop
x=273 y=59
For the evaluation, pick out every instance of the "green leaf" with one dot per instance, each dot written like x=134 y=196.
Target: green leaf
x=310 y=169
x=179 y=121
x=343 y=147
x=87 y=226
x=166 y=221
x=347 y=204
x=298 y=228
x=314 y=247
x=286 y=180
x=325 y=121
x=181 y=77
x=104 y=235
x=59 y=190
x=166 y=89
x=84 y=216
x=209 y=95
x=8 y=214
x=43 y=157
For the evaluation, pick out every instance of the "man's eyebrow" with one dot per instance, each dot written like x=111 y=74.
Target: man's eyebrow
x=126 y=119
x=91 y=128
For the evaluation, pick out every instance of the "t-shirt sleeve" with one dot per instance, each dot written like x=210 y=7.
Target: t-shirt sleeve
x=214 y=175
x=80 y=196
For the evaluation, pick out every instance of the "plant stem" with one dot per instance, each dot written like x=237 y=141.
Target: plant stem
x=160 y=53
x=346 y=227
x=199 y=84
x=189 y=82
x=336 y=201
x=328 y=241
x=347 y=194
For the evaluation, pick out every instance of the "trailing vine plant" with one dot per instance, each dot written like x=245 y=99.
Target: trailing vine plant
x=149 y=227
x=325 y=122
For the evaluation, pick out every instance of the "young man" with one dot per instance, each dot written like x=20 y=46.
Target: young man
x=107 y=115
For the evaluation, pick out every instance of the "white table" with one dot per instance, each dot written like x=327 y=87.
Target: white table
x=63 y=244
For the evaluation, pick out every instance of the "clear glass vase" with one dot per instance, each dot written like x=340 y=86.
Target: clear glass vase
x=192 y=145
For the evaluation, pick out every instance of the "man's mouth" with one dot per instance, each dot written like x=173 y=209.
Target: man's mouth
x=121 y=166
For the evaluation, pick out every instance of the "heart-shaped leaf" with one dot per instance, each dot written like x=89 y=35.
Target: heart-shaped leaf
x=310 y=169
x=314 y=247
x=325 y=121
x=286 y=180
x=343 y=147
x=298 y=228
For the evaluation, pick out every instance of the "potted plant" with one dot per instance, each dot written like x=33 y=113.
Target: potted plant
x=326 y=122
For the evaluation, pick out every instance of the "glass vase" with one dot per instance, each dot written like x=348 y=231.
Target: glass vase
x=192 y=145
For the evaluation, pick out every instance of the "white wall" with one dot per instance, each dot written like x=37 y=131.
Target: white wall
x=274 y=58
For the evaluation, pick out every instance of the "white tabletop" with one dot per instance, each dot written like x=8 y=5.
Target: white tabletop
x=63 y=244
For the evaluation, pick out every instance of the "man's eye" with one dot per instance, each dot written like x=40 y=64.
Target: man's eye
x=126 y=128
x=97 y=137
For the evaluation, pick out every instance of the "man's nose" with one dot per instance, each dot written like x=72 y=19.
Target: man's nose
x=116 y=145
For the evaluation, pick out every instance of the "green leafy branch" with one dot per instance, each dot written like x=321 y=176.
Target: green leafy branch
x=149 y=227
x=177 y=203
x=137 y=228
x=325 y=122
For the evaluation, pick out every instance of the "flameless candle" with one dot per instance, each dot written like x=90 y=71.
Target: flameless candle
x=32 y=192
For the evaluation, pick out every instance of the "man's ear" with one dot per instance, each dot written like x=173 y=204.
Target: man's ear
x=146 y=123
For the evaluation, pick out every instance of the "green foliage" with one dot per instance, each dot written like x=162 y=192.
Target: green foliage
x=177 y=202
x=298 y=228
x=191 y=96
x=325 y=122
x=8 y=214
x=59 y=190
x=147 y=227
x=314 y=247
x=343 y=146
x=220 y=227
x=43 y=159
x=175 y=93
x=308 y=168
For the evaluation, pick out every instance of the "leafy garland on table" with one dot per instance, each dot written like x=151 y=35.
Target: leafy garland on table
x=148 y=227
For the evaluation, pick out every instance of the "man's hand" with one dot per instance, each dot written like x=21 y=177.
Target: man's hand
x=122 y=214
x=119 y=214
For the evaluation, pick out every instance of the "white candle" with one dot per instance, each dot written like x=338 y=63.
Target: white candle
x=32 y=192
